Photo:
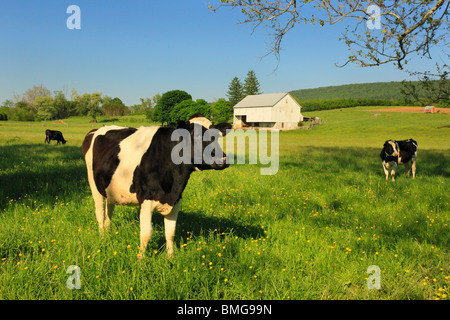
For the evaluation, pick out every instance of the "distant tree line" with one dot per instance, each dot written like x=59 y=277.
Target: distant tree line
x=38 y=104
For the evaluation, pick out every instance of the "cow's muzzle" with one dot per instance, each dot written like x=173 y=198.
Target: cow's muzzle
x=220 y=164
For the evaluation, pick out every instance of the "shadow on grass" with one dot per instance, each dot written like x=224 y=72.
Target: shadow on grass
x=366 y=160
x=41 y=172
x=199 y=224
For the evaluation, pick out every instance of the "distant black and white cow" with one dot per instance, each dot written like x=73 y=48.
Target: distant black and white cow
x=54 y=135
x=399 y=152
x=128 y=166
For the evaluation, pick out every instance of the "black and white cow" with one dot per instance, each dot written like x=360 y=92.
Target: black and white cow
x=128 y=166
x=54 y=135
x=399 y=152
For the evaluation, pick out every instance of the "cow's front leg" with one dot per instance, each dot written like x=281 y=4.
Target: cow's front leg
x=170 y=222
x=385 y=168
x=146 y=210
x=394 y=167
x=414 y=167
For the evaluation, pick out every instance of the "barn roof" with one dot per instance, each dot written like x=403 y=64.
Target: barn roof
x=261 y=100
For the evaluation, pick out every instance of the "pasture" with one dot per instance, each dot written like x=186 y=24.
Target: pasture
x=308 y=232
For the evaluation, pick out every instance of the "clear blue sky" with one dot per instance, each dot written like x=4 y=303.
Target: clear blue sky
x=137 y=48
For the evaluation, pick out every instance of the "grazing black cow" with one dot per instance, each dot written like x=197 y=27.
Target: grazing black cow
x=54 y=135
x=129 y=166
x=399 y=152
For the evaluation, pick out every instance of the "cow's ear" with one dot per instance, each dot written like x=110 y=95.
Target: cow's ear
x=222 y=127
x=183 y=124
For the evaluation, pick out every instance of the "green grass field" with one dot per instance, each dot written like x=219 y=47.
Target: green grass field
x=309 y=232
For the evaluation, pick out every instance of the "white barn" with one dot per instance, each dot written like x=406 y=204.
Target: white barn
x=274 y=110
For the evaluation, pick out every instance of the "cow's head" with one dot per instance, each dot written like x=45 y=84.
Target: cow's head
x=391 y=148
x=204 y=150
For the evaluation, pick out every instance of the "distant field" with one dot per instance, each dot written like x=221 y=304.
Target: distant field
x=412 y=109
x=308 y=232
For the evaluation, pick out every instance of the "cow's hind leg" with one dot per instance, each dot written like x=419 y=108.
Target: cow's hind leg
x=407 y=169
x=146 y=211
x=170 y=222
x=99 y=210
x=108 y=214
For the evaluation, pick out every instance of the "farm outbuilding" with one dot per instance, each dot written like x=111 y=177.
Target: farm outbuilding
x=274 y=110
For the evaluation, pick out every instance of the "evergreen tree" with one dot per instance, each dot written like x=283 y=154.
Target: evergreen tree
x=235 y=91
x=251 y=84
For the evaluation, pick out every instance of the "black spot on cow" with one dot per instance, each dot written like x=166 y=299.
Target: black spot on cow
x=105 y=156
x=87 y=141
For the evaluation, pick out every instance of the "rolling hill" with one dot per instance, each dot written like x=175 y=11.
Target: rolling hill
x=376 y=90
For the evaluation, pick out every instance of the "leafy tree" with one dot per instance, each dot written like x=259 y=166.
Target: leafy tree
x=45 y=107
x=8 y=104
x=37 y=91
x=156 y=98
x=162 y=111
x=251 y=84
x=185 y=109
x=113 y=107
x=89 y=104
x=61 y=105
x=94 y=105
x=221 y=111
x=235 y=91
x=23 y=112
